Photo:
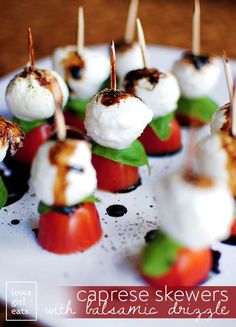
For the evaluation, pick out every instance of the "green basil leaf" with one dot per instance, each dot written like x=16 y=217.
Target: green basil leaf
x=199 y=108
x=134 y=155
x=159 y=255
x=161 y=126
x=27 y=126
x=3 y=193
x=78 y=106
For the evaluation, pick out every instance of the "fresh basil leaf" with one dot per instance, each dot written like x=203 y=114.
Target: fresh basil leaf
x=3 y=193
x=134 y=155
x=78 y=106
x=199 y=108
x=159 y=255
x=161 y=126
x=27 y=126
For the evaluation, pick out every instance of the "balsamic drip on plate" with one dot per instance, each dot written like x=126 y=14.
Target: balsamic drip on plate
x=230 y=241
x=15 y=222
x=116 y=210
x=216 y=255
x=151 y=235
x=35 y=230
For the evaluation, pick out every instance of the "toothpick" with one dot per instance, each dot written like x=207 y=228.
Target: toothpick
x=58 y=116
x=80 y=31
x=228 y=75
x=188 y=167
x=142 y=42
x=31 y=49
x=131 y=19
x=234 y=110
x=113 y=66
x=196 y=28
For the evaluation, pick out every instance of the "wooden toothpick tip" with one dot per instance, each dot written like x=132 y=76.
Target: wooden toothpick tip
x=142 y=42
x=80 y=30
x=188 y=167
x=196 y=26
x=31 y=49
x=59 y=118
x=234 y=109
x=113 y=66
x=228 y=75
x=131 y=21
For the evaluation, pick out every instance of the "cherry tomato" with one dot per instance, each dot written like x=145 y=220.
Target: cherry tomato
x=73 y=120
x=154 y=146
x=32 y=142
x=233 y=228
x=189 y=269
x=114 y=176
x=185 y=120
x=61 y=233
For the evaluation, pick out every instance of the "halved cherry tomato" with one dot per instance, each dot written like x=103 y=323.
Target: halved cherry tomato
x=189 y=269
x=62 y=234
x=114 y=176
x=32 y=142
x=233 y=228
x=73 y=120
x=185 y=120
x=155 y=146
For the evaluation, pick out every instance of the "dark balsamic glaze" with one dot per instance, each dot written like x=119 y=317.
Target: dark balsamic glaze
x=36 y=231
x=198 y=61
x=76 y=72
x=116 y=210
x=151 y=235
x=15 y=178
x=216 y=255
x=15 y=222
x=122 y=46
x=230 y=241
x=131 y=188
x=66 y=210
x=111 y=97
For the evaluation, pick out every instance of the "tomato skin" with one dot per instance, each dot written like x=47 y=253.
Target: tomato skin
x=233 y=228
x=114 y=176
x=189 y=269
x=75 y=121
x=185 y=120
x=154 y=146
x=63 y=234
x=33 y=140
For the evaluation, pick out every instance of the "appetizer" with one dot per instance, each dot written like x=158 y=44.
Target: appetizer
x=114 y=119
x=30 y=97
x=179 y=254
x=84 y=71
x=197 y=74
x=128 y=56
x=11 y=139
x=63 y=179
x=160 y=92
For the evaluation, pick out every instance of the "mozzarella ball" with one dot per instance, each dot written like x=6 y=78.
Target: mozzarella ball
x=115 y=119
x=85 y=74
x=195 y=212
x=221 y=119
x=62 y=173
x=30 y=95
x=159 y=91
x=3 y=150
x=197 y=75
x=128 y=57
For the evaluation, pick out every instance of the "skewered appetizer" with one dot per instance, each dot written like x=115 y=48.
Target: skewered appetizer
x=197 y=74
x=180 y=253
x=63 y=178
x=114 y=119
x=128 y=56
x=160 y=92
x=11 y=139
x=84 y=71
x=30 y=97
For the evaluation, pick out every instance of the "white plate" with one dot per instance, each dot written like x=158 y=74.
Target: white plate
x=114 y=260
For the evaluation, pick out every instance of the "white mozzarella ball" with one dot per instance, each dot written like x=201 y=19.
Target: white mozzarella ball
x=3 y=150
x=115 y=119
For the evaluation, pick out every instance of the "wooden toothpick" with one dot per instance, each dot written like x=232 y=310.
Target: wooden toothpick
x=131 y=19
x=196 y=28
x=31 y=49
x=228 y=75
x=80 y=31
x=142 y=42
x=234 y=109
x=59 y=119
x=113 y=66
x=188 y=167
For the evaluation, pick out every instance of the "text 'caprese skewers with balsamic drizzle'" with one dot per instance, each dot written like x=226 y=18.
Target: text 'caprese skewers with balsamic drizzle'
x=11 y=139
x=114 y=119
x=199 y=212
x=31 y=101
x=197 y=74
x=160 y=92
x=64 y=179
x=128 y=56
x=84 y=71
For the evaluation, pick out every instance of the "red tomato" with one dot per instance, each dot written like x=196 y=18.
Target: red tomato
x=185 y=120
x=62 y=234
x=73 y=120
x=189 y=269
x=233 y=228
x=154 y=146
x=114 y=176
x=32 y=142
